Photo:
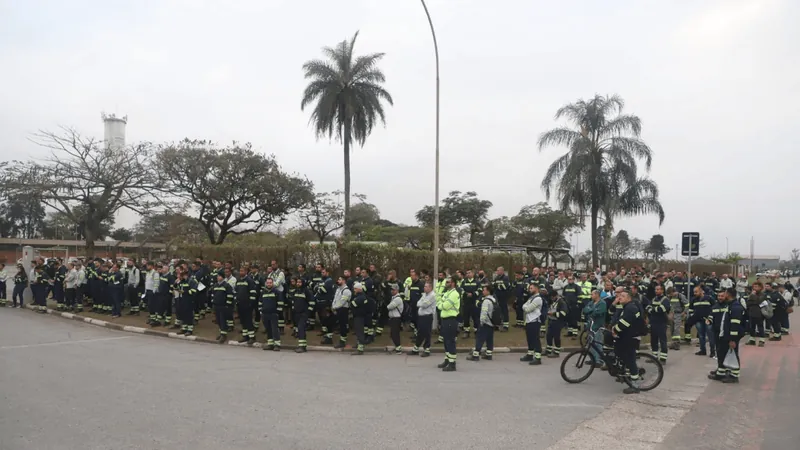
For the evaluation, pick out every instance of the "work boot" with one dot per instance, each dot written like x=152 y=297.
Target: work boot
x=131 y=313
x=425 y=354
x=442 y=365
x=630 y=390
x=473 y=358
x=413 y=353
x=268 y=347
x=554 y=355
x=326 y=341
x=774 y=339
x=155 y=323
x=339 y=345
x=450 y=367
x=486 y=357
x=526 y=358
x=750 y=343
x=535 y=362
x=243 y=340
x=727 y=380
x=251 y=341
x=276 y=348
x=300 y=350
x=701 y=352
x=761 y=343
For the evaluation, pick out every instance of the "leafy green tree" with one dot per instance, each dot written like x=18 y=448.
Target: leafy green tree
x=86 y=180
x=169 y=228
x=621 y=246
x=656 y=247
x=602 y=145
x=234 y=189
x=58 y=225
x=122 y=234
x=458 y=209
x=347 y=95
x=21 y=215
x=323 y=215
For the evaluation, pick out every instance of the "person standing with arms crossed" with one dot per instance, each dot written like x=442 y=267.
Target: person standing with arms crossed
x=449 y=305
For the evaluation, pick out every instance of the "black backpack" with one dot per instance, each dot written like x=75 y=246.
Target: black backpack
x=497 y=315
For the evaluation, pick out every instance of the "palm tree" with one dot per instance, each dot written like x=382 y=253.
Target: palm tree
x=603 y=150
x=630 y=199
x=347 y=94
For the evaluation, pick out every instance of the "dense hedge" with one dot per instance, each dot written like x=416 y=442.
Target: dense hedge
x=352 y=255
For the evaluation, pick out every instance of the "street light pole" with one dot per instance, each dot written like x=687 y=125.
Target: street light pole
x=436 y=202
x=726 y=247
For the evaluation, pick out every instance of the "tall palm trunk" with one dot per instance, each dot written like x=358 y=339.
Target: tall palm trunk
x=346 y=230
x=594 y=235
x=608 y=229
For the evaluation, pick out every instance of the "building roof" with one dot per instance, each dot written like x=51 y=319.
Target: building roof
x=73 y=243
x=515 y=248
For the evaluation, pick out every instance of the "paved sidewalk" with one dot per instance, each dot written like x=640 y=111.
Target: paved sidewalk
x=761 y=412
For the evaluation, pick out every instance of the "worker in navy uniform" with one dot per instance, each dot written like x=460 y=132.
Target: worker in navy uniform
x=187 y=300
x=624 y=332
x=369 y=291
x=259 y=280
x=271 y=307
x=470 y=298
x=386 y=296
x=246 y=302
x=571 y=291
x=727 y=321
x=116 y=290
x=316 y=280
x=359 y=306
x=300 y=295
x=39 y=286
x=324 y=300
x=502 y=290
x=658 y=309
x=222 y=298
x=58 y=284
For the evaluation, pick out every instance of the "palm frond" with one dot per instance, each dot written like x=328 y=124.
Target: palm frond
x=558 y=137
x=623 y=124
x=634 y=147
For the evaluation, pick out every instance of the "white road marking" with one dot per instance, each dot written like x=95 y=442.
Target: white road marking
x=47 y=344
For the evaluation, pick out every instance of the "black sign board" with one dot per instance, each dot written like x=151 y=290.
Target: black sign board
x=690 y=244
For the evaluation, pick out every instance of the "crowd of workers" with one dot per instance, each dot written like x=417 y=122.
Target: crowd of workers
x=628 y=304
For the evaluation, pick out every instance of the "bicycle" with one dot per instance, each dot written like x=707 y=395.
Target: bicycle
x=616 y=368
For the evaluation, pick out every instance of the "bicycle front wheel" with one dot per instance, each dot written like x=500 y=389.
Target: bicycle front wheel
x=650 y=376
x=575 y=364
x=583 y=338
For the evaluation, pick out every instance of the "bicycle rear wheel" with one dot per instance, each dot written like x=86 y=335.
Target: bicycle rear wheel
x=650 y=376
x=577 y=361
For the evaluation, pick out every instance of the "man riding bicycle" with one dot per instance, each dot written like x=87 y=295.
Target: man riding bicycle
x=626 y=329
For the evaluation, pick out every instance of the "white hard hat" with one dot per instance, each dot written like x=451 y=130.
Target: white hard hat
x=358 y=286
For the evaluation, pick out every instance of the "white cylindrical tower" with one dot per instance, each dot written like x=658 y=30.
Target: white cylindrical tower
x=114 y=130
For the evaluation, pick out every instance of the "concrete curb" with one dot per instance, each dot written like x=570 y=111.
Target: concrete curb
x=311 y=348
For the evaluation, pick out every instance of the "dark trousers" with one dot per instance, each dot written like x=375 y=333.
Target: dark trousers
x=271 y=325
x=554 y=336
x=785 y=323
x=777 y=321
x=132 y=297
x=520 y=313
x=358 y=325
x=221 y=314
x=300 y=320
x=723 y=345
x=3 y=291
x=39 y=295
x=503 y=302
x=166 y=307
x=116 y=301
x=19 y=290
x=756 y=328
x=394 y=328
x=342 y=317
x=449 y=333
x=534 y=341
x=58 y=293
x=424 y=333
x=185 y=311
x=467 y=313
x=245 y=309
x=415 y=315
x=69 y=296
x=485 y=334
x=658 y=340
x=573 y=317
x=383 y=318
x=153 y=305
x=625 y=348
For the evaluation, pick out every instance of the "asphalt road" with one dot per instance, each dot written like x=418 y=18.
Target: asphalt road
x=66 y=385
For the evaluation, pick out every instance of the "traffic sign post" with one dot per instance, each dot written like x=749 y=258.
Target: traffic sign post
x=690 y=246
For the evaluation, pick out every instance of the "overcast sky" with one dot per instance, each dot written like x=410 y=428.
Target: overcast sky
x=716 y=83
